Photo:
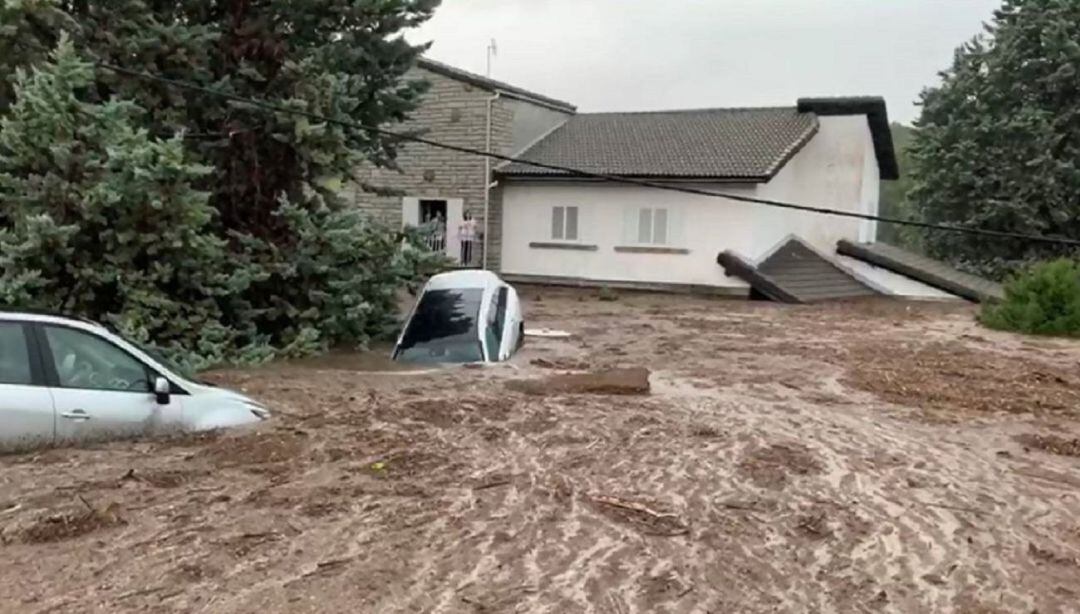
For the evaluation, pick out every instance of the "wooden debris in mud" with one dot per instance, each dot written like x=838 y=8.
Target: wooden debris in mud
x=62 y=527
x=814 y=525
x=641 y=517
x=1048 y=556
x=493 y=481
x=560 y=364
x=955 y=508
x=1053 y=444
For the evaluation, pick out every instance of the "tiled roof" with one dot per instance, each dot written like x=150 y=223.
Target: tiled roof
x=729 y=144
x=492 y=85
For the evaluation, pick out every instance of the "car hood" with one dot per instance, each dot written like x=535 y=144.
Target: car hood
x=213 y=392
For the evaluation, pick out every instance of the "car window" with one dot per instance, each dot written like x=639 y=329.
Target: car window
x=496 y=322
x=14 y=355
x=89 y=362
x=444 y=328
x=172 y=366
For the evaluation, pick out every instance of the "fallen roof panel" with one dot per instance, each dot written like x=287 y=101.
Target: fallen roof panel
x=795 y=273
x=927 y=270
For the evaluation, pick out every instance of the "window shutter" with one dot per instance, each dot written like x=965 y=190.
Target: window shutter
x=660 y=226
x=644 y=226
x=557 y=217
x=410 y=211
x=571 y=223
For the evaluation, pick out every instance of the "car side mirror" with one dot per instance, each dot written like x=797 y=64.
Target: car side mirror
x=162 y=390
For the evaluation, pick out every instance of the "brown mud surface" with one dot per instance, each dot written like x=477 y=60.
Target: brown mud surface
x=867 y=457
x=612 y=381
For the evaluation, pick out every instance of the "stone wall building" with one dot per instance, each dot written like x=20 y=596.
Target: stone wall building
x=703 y=232
x=465 y=110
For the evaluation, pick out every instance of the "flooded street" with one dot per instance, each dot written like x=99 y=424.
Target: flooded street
x=674 y=454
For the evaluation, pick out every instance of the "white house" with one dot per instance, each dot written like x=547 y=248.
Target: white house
x=535 y=224
x=829 y=153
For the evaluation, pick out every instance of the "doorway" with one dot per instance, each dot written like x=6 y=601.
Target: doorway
x=433 y=214
x=432 y=210
x=441 y=217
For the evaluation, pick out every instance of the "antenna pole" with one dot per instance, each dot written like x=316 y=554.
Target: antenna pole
x=492 y=51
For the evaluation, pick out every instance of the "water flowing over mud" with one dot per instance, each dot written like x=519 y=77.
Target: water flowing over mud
x=674 y=454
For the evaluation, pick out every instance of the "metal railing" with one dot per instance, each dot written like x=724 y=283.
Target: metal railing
x=470 y=253
x=436 y=241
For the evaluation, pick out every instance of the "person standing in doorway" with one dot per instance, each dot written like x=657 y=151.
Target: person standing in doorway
x=467 y=236
x=440 y=232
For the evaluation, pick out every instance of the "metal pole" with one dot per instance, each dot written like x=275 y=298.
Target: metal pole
x=487 y=180
x=492 y=51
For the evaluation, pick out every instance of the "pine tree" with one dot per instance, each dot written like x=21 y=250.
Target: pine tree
x=28 y=31
x=998 y=143
x=103 y=219
x=269 y=261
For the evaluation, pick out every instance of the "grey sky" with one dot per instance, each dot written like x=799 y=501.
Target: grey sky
x=608 y=55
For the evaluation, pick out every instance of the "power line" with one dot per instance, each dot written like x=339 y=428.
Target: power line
x=582 y=173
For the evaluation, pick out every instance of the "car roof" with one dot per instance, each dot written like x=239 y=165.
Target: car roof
x=464 y=279
x=41 y=315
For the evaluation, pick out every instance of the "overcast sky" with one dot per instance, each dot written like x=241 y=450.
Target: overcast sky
x=613 y=55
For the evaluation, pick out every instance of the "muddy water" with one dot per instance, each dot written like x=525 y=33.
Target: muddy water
x=375 y=359
x=774 y=467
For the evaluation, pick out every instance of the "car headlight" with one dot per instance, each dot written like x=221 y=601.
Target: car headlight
x=257 y=410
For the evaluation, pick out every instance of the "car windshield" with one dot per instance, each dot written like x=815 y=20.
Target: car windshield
x=443 y=328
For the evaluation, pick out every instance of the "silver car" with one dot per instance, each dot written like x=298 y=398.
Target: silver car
x=64 y=379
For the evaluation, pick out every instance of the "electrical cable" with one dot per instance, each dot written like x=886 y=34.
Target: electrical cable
x=587 y=174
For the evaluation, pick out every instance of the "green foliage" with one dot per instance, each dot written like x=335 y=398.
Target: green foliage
x=343 y=59
x=998 y=142
x=337 y=283
x=212 y=229
x=101 y=218
x=27 y=35
x=1044 y=300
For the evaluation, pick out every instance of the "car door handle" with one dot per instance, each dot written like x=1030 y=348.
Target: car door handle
x=79 y=415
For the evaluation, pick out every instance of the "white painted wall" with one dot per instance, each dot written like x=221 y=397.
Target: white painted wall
x=893 y=283
x=871 y=192
x=832 y=171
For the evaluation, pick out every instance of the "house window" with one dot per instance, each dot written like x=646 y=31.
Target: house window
x=653 y=226
x=564 y=223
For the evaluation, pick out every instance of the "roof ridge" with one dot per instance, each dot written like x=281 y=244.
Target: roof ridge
x=453 y=72
x=692 y=110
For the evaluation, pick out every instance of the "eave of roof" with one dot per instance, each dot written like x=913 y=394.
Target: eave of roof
x=873 y=107
x=493 y=86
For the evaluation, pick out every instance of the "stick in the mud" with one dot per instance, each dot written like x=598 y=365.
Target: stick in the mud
x=629 y=505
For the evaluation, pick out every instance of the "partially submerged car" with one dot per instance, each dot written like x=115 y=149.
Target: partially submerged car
x=462 y=317
x=65 y=379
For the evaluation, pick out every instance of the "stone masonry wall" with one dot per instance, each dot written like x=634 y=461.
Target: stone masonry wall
x=456 y=113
